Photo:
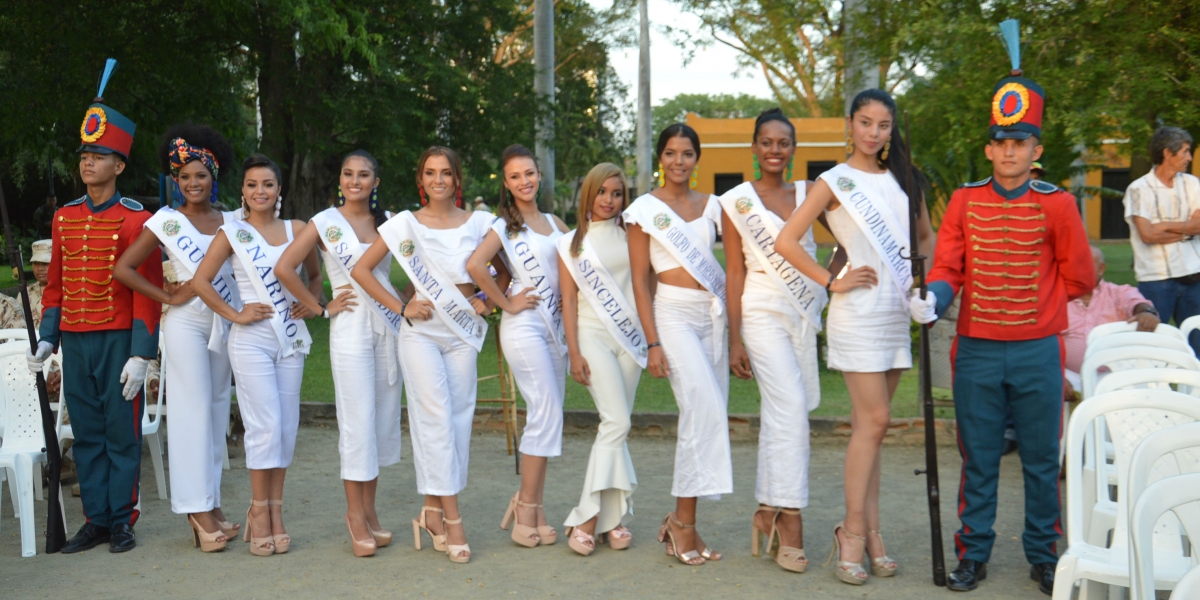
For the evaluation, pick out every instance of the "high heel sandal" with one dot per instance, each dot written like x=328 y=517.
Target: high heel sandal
x=579 y=540
x=259 y=546
x=883 y=566
x=848 y=571
x=362 y=548
x=231 y=530
x=455 y=551
x=546 y=533
x=207 y=542
x=283 y=541
x=756 y=534
x=619 y=538
x=789 y=558
x=439 y=540
x=522 y=534
x=691 y=557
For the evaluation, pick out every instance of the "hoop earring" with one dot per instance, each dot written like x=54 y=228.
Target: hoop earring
x=886 y=146
x=662 y=181
x=849 y=144
x=788 y=175
x=341 y=198
x=374 y=199
x=757 y=171
x=424 y=200
x=695 y=178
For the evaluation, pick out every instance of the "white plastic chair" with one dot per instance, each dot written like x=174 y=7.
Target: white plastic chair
x=1137 y=338
x=1132 y=415
x=1134 y=357
x=23 y=446
x=1123 y=326
x=1161 y=497
x=1188 y=382
x=1164 y=454
x=1189 y=325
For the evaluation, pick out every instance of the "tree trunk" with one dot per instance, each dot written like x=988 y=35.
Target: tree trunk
x=543 y=87
x=645 y=158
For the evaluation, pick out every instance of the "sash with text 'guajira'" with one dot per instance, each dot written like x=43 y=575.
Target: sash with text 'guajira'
x=881 y=225
x=605 y=297
x=248 y=245
x=531 y=269
x=404 y=240
x=753 y=221
x=340 y=241
x=669 y=229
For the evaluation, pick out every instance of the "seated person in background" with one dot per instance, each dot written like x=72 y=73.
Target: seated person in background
x=12 y=315
x=1106 y=303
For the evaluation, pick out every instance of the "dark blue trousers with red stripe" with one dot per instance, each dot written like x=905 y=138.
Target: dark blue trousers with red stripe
x=107 y=427
x=989 y=377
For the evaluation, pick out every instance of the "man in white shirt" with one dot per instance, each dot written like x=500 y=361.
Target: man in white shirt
x=1163 y=211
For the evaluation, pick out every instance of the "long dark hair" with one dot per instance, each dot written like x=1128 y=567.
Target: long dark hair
x=897 y=160
x=507 y=209
x=587 y=197
x=379 y=213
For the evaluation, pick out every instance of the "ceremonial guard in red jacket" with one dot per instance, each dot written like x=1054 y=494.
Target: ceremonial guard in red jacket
x=107 y=333
x=1017 y=250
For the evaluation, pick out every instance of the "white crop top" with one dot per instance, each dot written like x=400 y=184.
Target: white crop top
x=807 y=242
x=184 y=273
x=706 y=227
x=245 y=287
x=453 y=247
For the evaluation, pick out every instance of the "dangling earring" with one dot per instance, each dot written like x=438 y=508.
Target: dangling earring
x=662 y=181
x=788 y=175
x=245 y=209
x=849 y=144
x=757 y=171
x=213 y=199
x=374 y=199
x=458 y=197
x=424 y=200
x=694 y=179
x=537 y=196
x=278 y=206
x=341 y=198
x=589 y=216
x=886 y=146
x=176 y=193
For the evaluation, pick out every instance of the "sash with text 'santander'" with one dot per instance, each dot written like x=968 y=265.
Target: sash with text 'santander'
x=531 y=269
x=605 y=297
x=878 y=221
x=753 y=221
x=248 y=247
x=340 y=240
x=404 y=240
x=669 y=229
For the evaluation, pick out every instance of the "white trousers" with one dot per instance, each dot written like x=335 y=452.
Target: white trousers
x=783 y=353
x=368 y=406
x=541 y=374
x=198 y=381
x=440 y=371
x=268 y=389
x=691 y=327
x=609 y=481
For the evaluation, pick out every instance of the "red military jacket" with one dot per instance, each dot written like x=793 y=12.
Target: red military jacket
x=81 y=293
x=1018 y=256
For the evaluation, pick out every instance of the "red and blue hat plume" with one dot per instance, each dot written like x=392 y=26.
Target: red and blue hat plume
x=1017 y=102
x=104 y=130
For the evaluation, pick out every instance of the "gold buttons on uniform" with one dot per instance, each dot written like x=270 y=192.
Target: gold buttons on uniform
x=115 y=236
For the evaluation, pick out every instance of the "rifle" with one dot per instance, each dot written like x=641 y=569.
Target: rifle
x=925 y=383
x=56 y=535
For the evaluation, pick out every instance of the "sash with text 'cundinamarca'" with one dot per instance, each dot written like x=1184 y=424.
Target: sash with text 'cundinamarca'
x=878 y=222
x=531 y=269
x=669 y=229
x=404 y=240
x=605 y=297
x=753 y=221
x=340 y=241
x=248 y=245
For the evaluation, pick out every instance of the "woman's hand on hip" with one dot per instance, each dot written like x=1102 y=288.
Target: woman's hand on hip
x=342 y=302
x=422 y=310
x=252 y=312
x=856 y=278
x=523 y=300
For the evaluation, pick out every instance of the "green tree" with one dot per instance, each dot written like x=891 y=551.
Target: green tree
x=712 y=106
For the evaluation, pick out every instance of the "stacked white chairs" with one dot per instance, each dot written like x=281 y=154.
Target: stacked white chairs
x=1137 y=338
x=1158 y=483
x=1189 y=325
x=1125 y=326
x=1131 y=416
x=24 y=441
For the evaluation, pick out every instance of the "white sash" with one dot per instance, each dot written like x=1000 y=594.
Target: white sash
x=247 y=246
x=187 y=246
x=754 y=223
x=343 y=244
x=404 y=241
x=661 y=223
x=605 y=296
x=877 y=221
x=523 y=259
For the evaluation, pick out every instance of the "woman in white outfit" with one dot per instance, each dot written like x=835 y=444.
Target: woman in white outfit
x=530 y=330
x=684 y=321
x=267 y=343
x=437 y=356
x=362 y=342
x=774 y=317
x=866 y=204
x=605 y=346
x=197 y=357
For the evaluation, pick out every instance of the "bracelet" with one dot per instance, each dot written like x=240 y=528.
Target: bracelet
x=832 y=277
x=654 y=345
x=324 y=311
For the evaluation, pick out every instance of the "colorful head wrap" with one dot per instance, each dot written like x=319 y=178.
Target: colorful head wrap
x=183 y=153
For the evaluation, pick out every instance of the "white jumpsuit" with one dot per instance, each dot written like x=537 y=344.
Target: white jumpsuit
x=609 y=481
x=268 y=384
x=440 y=370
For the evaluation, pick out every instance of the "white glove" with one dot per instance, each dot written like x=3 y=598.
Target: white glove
x=133 y=376
x=923 y=311
x=35 y=361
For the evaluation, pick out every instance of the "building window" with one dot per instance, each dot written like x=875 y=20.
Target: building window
x=816 y=167
x=1112 y=204
x=723 y=182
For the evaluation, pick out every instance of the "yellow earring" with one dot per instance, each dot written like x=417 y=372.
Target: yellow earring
x=662 y=180
x=694 y=179
x=886 y=146
x=849 y=144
